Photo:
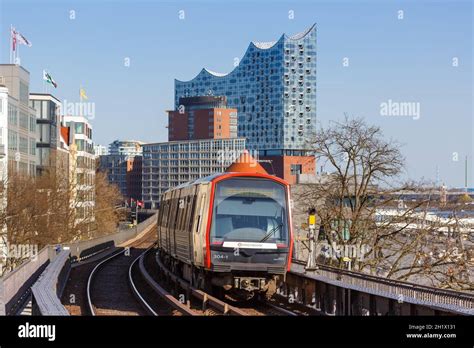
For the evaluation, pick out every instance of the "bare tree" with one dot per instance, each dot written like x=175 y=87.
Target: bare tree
x=43 y=210
x=107 y=205
x=363 y=220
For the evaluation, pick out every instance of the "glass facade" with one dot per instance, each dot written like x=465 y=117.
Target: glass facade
x=19 y=123
x=128 y=148
x=273 y=88
x=45 y=123
x=167 y=165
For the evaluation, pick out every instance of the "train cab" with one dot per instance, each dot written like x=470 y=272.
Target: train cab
x=250 y=229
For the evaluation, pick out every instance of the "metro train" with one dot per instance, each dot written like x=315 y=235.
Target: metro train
x=229 y=232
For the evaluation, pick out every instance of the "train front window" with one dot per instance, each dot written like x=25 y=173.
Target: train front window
x=249 y=210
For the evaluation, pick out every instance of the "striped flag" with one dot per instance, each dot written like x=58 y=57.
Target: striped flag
x=21 y=39
x=48 y=78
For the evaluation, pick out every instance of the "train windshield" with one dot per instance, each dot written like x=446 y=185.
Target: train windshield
x=249 y=210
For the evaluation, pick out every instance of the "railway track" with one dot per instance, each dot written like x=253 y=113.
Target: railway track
x=262 y=308
x=207 y=304
x=118 y=286
x=121 y=284
x=164 y=297
x=111 y=289
x=197 y=300
x=134 y=281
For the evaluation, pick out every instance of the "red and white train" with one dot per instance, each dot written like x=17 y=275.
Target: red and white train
x=229 y=231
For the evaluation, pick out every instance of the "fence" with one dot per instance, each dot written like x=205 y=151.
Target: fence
x=84 y=249
x=15 y=286
x=441 y=299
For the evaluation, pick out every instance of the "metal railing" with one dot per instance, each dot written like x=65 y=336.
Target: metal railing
x=79 y=250
x=450 y=299
x=15 y=287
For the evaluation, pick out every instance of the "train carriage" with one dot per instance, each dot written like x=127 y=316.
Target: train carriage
x=231 y=230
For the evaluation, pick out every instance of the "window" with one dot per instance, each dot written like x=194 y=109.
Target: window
x=80 y=145
x=79 y=128
x=32 y=146
x=12 y=140
x=12 y=115
x=24 y=120
x=296 y=169
x=24 y=94
x=32 y=123
x=23 y=145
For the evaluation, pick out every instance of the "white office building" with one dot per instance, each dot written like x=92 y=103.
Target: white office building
x=82 y=176
x=167 y=165
x=18 y=123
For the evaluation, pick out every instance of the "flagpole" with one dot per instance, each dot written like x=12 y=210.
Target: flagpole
x=16 y=55
x=80 y=100
x=11 y=43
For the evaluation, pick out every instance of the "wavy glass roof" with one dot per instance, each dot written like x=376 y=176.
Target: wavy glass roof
x=258 y=45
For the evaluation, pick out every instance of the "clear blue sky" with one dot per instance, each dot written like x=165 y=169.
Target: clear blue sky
x=408 y=60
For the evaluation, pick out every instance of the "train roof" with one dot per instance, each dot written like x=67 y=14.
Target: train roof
x=213 y=177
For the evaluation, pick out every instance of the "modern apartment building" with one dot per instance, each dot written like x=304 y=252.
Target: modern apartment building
x=274 y=90
x=82 y=166
x=125 y=172
x=47 y=128
x=130 y=148
x=17 y=133
x=18 y=125
x=123 y=166
x=203 y=117
x=100 y=150
x=167 y=165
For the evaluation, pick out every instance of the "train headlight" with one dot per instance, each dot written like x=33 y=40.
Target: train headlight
x=244 y=284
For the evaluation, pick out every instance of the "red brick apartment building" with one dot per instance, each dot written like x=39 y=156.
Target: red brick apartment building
x=203 y=117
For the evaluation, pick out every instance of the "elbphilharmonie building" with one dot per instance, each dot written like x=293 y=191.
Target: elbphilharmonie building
x=274 y=90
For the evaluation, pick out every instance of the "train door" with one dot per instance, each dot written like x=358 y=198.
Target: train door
x=190 y=219
x=172 y=224
x=199 y=223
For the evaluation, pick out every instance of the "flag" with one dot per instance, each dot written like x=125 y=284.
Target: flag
x=82 y=93
x=22 y=40
x=47 y=77
x=13 y=34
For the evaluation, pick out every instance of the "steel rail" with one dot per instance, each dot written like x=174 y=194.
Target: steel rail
x=139 y=296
